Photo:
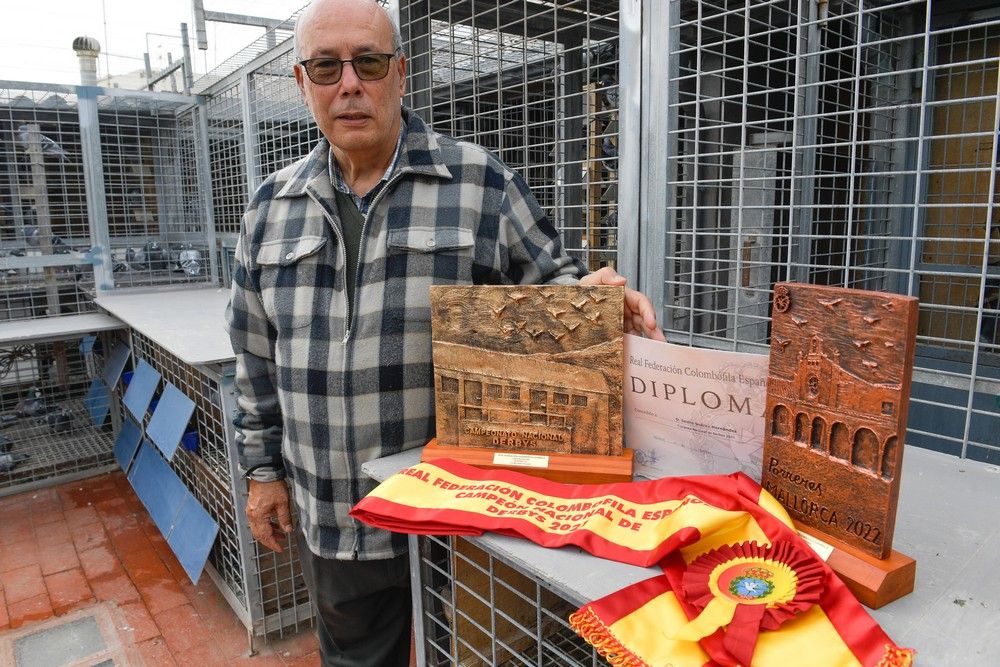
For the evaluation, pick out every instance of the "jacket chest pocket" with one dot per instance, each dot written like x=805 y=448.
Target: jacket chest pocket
x=293 y=277
x=437 y=252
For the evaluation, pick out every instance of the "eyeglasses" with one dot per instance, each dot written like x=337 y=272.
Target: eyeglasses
x=367 y=67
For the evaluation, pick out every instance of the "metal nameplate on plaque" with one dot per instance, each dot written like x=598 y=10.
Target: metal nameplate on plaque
x=521 y=460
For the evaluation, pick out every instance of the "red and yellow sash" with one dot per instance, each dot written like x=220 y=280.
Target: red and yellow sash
x=739 y=586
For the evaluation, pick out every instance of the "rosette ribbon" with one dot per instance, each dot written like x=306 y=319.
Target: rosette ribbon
x=742 y=588
x=731 y=567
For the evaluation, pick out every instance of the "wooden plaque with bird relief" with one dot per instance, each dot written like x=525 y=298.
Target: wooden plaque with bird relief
x=837 y=395
x=530 y=378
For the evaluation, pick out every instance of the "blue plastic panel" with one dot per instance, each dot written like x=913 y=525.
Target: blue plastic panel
x=140 y=390
x=127 y=443
x=98 y=401
x=170 y=420
x=116 y=364
x=188 y=528
x=158 y=487
x=192 y=537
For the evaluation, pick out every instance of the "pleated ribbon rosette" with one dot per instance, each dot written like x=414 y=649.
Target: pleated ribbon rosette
x=738 y=585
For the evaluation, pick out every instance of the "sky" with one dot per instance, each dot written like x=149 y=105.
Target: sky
x=36 y=36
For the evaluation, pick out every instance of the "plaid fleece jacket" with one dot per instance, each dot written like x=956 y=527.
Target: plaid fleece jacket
x=323 y=387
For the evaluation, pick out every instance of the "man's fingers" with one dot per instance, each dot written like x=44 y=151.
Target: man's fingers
x=263 y=532
x=603 y=276
x=269 y=513
x=284 y=516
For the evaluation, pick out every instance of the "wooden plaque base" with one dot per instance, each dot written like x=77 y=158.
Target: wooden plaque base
x=875 y=582
x=568 y=468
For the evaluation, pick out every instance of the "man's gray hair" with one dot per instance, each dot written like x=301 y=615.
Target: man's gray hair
x=397 y=39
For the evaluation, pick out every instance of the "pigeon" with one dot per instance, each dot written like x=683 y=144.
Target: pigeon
x=134 y=257
x=611 y=90
x=610 y=152
x=33 y=237
x=59 y=421
x=49 y=147
x=189 y=261
x=31 y=405
x=10 y=461
x=157 y=257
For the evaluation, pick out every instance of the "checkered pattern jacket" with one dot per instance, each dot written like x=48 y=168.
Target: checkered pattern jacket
x=323 y=387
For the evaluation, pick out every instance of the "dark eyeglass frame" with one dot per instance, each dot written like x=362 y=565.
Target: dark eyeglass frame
x=383 y=58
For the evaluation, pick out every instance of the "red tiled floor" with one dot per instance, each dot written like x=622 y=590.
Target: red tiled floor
x=37 y=608
x=53 y=532
x=115 y=588
x=57 y=558
x=81 y=516
x=210 y=604
x=231 y=641
x=17 y=530
x=23 y=583
x=262 y=660
x=19 y=554
x=160 y=591
x=129 y=537
x=88 y=535
x=200 y=655
x=91 y=541
x=155 y=652
x=182 y=627
x=139 y=622
x=67 y=590
x=295 y=646
x=100 y=561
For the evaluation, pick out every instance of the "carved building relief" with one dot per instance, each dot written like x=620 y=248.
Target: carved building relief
x=838 y=388
x=533 y=368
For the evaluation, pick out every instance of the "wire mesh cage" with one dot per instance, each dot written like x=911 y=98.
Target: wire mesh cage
x=283 y=130
x=53 y=426
x=135 y=192
x=479 y=610
x=157 y=226
x=256 y=126
x=852 y=144
x=43 y=215
x=226 y=146
x=536 y=83
x=265 y=588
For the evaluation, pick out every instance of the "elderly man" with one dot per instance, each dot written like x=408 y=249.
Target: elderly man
x=329 y=315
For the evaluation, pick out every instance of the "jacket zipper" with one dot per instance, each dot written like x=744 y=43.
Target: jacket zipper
x=347 y=328
x=357 y=274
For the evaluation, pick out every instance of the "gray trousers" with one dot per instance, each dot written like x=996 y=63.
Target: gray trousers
x=363 y=609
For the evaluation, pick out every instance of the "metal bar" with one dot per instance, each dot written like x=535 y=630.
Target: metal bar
x=97 y=205
x=250 y=146
x=43 y=217
x=630 y=154
x=244 y=19
x=43 y=261
x=168 y=71
x=987 y=220
x=252 y=66
x=416 y=33
x=253 y=602
x=204 y=176
x=188 y=66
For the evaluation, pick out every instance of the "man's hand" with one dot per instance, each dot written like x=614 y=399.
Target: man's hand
x=640 y=316
x=269 y=513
